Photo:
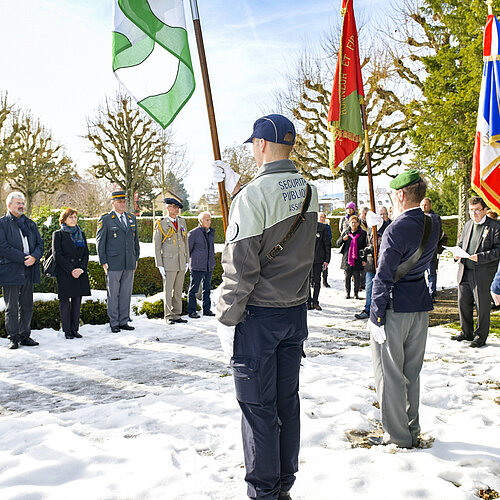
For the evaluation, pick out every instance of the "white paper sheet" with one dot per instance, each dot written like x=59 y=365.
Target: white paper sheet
x=458 y=252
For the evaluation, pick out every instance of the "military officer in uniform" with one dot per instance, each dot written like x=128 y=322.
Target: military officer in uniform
x=399 y=312
x=171 y=257
x=262 y=304
x=118 y=251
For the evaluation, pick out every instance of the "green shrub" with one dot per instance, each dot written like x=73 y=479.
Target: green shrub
x=46 y=285
x=156 y=309
x=47 y=220
x=92 y=248
x=147 y=279
x=94 y=312
x=450 y=227
x=46 y=315
x=97 y=277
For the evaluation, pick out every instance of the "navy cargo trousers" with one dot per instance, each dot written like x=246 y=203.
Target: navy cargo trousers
x=266 y=362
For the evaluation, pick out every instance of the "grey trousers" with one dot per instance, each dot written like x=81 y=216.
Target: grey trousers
x=172 y=286
x=19 y=308
x=396 y=365
x=119 y=285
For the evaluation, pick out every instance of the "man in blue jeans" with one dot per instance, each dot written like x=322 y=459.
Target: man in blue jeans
x=201 y=241
x=262 y=306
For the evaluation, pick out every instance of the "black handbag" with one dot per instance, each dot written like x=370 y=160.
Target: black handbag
x=49 y=264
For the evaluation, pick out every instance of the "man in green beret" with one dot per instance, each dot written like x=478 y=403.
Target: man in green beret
x=399 y=312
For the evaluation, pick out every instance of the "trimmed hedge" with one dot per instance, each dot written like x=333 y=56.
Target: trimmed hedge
x=46 y=315
x=156 y=309
x=145 y=227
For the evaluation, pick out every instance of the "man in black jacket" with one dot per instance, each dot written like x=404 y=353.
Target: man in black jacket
x=21 y=247
x=322 y=253
x=480 y=238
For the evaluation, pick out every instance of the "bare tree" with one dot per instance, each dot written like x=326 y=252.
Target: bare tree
x=307 y=99
x=241 y=160
x=127 y=144
x=36 y=163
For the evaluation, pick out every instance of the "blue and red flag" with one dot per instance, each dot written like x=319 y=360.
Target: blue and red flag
x=485 y=177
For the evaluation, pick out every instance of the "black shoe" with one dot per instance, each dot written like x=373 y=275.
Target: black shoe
x=284 y=495
x=362 y=315
x=76 y=335
x=317 y=307
x=194 y=315
x=29 y=342
x=115 y=329
x=375 y=440
x=477 y=342
x=326 y=285
x=178 y=320
x=127 y=327
x=208 y=313
x=356 y=296
x=309 y=306
x=460 y=337
x=69 y=335
x=14 y=344
x=347 y=295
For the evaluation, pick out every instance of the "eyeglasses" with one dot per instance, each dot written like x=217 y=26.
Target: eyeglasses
x=477 y=211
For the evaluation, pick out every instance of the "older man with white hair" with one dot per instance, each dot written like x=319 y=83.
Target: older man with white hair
x=201 y=242
x=21 y=248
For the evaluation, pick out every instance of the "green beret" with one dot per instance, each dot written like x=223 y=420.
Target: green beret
x=405 y=179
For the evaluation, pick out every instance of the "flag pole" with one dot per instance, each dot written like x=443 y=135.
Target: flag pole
x=489 y=3
x=210 y=106
x=370 y=180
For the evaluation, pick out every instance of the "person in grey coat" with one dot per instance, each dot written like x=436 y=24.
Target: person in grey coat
x=201 y=242
x=118 y=250
x=21 y=247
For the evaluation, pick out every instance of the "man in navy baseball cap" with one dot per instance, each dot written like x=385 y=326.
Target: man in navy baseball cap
x=274 y=128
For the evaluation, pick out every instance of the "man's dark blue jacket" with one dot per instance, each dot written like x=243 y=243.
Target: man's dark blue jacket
x=201 y=249
x=401 y=239
x=11 y=251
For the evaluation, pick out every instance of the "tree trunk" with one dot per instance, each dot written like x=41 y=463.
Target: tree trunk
x=351 y=178
x=463 y=194
x=130 y=201
x=28 y=205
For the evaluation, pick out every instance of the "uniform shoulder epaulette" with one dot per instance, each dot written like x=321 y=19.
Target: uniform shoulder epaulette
x=105 y=213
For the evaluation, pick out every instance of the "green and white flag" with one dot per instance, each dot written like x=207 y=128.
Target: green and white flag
x=151 y=55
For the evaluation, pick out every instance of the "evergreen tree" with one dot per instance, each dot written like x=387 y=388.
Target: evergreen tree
x=443 y=60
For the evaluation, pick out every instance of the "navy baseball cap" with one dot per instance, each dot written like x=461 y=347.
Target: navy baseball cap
x=273 y=128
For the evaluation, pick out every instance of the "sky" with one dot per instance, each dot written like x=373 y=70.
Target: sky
x=56 y=61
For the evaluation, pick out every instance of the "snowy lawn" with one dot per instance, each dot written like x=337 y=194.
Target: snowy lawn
x=151 y=414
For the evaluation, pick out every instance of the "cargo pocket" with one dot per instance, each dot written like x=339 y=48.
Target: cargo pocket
x=246 y=379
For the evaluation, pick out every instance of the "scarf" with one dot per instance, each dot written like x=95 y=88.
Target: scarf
x=347 y=215
x=353 y=249
x=21 y=224
x=75 y=233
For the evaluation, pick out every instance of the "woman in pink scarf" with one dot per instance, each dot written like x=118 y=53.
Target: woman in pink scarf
x=351 y=241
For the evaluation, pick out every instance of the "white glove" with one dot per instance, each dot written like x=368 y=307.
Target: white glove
x=221 y=171
x=226 y=337
x=373 y=219
x=377 y=332
x=187 y=267
x=162 y=271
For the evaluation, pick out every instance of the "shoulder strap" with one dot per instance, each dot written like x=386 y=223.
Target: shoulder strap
x=409 y=264
x=277 y=249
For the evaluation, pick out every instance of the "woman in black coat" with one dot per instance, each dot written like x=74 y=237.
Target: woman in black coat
x=352 y=240
x=69 y=247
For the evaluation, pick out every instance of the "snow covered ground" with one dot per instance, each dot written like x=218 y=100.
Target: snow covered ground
x=151 y=414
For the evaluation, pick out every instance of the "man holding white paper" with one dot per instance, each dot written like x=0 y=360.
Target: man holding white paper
x=480 y=239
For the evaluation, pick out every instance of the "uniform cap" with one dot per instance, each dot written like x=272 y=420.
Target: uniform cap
x=273 y=128
x=173 y=201
x=118 y=195
x=405 y=179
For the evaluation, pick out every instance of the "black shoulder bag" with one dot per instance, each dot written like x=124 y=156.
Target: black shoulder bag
x=409 y=264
